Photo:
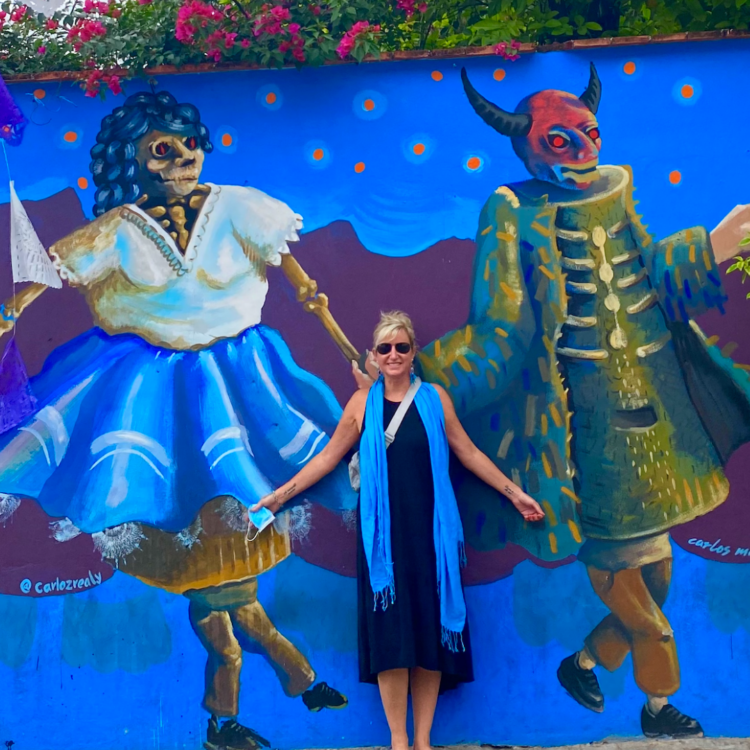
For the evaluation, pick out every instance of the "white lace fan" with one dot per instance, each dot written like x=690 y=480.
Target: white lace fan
x=28 y=257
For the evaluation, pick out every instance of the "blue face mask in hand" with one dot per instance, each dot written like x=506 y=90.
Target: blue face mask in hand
x=257 y=522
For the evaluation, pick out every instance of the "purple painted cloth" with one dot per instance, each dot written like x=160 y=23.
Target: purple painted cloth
x=16 y=399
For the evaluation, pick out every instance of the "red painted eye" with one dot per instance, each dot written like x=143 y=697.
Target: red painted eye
x=191 y=142
x=160 y=149
x=557 y=141
x=594 y=134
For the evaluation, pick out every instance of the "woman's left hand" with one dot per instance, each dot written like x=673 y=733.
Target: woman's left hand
x=527 y=506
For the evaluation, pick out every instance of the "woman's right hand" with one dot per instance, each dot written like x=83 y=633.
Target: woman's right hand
x=272 y=502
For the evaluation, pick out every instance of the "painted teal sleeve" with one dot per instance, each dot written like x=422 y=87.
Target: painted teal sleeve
x=475 y=363
x=685 y=275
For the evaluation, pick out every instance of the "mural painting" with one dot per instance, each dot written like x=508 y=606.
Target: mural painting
x=189 y=365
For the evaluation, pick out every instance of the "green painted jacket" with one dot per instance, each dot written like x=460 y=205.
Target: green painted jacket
x=536 y=395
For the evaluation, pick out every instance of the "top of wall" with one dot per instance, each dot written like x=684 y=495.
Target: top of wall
x=526 y=48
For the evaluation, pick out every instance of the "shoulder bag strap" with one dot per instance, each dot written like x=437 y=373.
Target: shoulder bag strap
x=398 y=417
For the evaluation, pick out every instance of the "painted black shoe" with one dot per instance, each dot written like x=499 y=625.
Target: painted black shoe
x=232 y=736
x=581 y=684
x=322 y=696
x=669 y=722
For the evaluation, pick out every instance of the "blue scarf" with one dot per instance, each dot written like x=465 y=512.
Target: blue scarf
x=376 y=517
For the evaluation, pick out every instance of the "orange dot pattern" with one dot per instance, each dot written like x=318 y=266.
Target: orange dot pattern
x=318 y=154
x=436 y=75
x=368 y=105
x=226 y=139
x=40 y=93
x=70 y=137
x=629 y=68
x=675 y=177
x=499 y=74
x=687 y=91
x=418 y=149
x=270 y=98
x=359 y=167
x=83 y=183
x=473 y=162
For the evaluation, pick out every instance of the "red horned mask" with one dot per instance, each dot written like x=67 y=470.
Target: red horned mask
x=554 y=133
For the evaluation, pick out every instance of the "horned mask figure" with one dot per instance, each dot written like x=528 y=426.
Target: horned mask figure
x=554 y=133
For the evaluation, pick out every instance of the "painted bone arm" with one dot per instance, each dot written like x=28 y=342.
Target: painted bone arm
x=86 y=240
x=317 y=304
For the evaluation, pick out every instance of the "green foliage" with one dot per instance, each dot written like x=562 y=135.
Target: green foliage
x=133 y=35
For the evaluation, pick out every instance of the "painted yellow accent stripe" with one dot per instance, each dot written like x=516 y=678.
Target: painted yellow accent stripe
x=668 y=256
x=572 y=495
x=494 y=365
x=698 y=491
x=487 y=271
x=504 y=236
x=467 y=335
x=707 y=260
x=537 y=227
x=574 y=531
x=543 y=254
x=437 y=348
x=502 y=451
x=688 y=493
x=555 y=415
x=546 y=466
x=508 y=291
x=545 y=424
x=485 y=232
x=553 y=543
x=712 y=340
x=547 y=272
x=550 y=513
x=501 y=332
x=463 y=362
x=688 y=235
x=691 y=253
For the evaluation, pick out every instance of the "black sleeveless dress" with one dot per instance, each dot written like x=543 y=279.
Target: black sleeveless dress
x=407 y=633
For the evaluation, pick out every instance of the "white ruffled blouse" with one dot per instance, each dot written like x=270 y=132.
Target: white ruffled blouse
x=136 y=280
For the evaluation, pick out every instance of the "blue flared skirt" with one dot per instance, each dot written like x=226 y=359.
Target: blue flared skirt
x=126 y=431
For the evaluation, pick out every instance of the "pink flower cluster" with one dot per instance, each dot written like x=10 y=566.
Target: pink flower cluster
x=18 y=14
x=194 y=15
x=84 y=30
x=144 y=2
x=50 y=24
x=349 y=40
x=410 y=7
x=272 y=21
x=99 y=77
x=508 y=50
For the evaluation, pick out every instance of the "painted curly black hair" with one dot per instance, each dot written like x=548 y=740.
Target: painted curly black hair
x=114 y=165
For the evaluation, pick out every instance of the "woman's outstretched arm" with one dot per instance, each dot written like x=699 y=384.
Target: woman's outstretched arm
x=343 y=439
x=478 y=463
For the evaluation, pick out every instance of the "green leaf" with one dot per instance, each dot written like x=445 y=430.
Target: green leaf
x=594 y=26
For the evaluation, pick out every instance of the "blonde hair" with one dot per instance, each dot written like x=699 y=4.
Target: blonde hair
x=390 y=324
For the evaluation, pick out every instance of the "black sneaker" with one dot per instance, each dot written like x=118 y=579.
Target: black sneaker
x=669 y=722
x=232 y=736
x=322 y=696
x=581 y=684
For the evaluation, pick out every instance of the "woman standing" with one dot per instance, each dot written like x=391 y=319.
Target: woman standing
x=412 y=615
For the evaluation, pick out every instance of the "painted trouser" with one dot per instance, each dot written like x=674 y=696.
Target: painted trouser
x=222 y=626
x=637 y=625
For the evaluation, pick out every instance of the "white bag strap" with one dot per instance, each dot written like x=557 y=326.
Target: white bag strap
x=398 y=417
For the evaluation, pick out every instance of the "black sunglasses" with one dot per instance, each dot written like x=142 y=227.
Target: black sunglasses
x=402 y=348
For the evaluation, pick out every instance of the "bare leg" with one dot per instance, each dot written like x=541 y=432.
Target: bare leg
x=425 y=686
x=394 y=692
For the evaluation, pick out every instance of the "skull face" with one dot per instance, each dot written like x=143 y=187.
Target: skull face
x=170 y=164
x=563 y=143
